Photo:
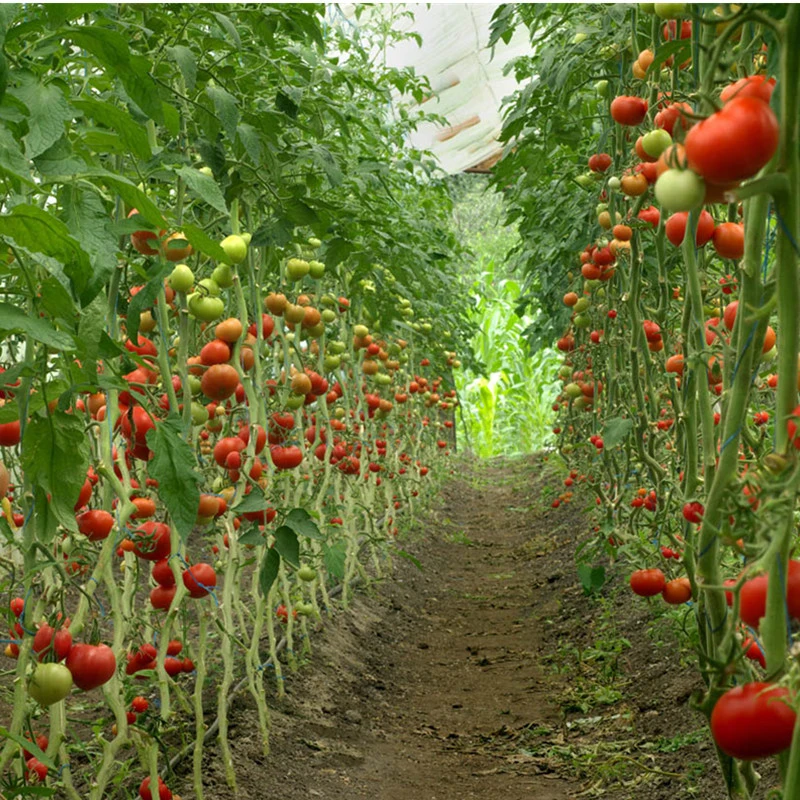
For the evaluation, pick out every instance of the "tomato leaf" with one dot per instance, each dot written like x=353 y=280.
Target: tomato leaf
x=335 y=558
x=40 y=232
x=55 y=457
x=198 y=239
x=413 y=559
x=591 y=578
x=186 y=62
x=268 y=571
x=173 y=466
x=299 y=520
x=255 y=501
x=48 y=110
x=116 y=119
x=616 y=431
x=225 y=107
x=205 y=188
x=15 y=320
x=254 y=535
x=287 y=545
x=28 y=745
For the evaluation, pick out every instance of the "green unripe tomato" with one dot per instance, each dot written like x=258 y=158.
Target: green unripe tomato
x=600 y=208
x=614 y=183
x=564 y=372
x=297 y=269
x=600 y=293
x=581 y=402
x=289 y=336
x=655 y=142
x=582 y=321
x=235 y=248
x=329 y=301
x=194 y=384
x=404 y=302
x=601 y=87
x=304 y=609
x=314 y=242
x=331 y=362
x=247 y=237
x=426 y=327
x=206 y=309
x=306 y=573
x=361 y=331
x=582 y=304
x=382 y=379
x=340 y=413
x=590 y=284
x=223 y=276
x=579 y=37
x=208 y=287
x=316 y=269
x=669 y=10
x=50 y=683
x=573 y=390
x=647 y=8
x=336 y=347
x=771 y=354
x=181 y=279
x=407 y=312
x=207 y=171
x=199 y=413
x=585 y=180
x=328 y=315
x=317 y=331
x=295 y=401
x=680 y=190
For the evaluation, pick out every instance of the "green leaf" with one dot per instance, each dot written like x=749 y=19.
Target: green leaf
x=616 y=430
x=254 y=535
x=28 y=745
x=48 y=111
x=335 y=558
x=268 y=571
x=286 y=104
x=251 y=142
x=15 y=320
x=205 y=187
x=202 y=243
x=186 y=62
x=287 y=544
x=89 y=222
x=91 y=328
x=680 y=48
x=300 y=521
x=56 y=300
x=591 y=578
x=173 y=466
x=226 y=110
x=12 y=162
x=55 y=457
x=118 y=120
x=255 y=501
x=413 y=559
x=111 y=48
x=131 y=194
x=229 y=28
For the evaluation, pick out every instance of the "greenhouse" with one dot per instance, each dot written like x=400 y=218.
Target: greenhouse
x=400 y=401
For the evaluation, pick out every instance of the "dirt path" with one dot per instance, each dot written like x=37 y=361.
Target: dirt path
x=487 y=674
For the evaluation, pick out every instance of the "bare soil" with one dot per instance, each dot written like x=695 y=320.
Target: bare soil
x=487 y=673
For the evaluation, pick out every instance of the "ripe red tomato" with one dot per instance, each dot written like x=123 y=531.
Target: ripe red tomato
x=735 y=142
x=91 y=665
x=675 y=228
x=219 y=382
x=677 y=592
x=753 y=721
x=753 y=86
x=286 y=457
x=199 y=579
x=729 y=240
x=95 y=524
x=151 y=541
x=142 y=240
x=162 y=573
x=52 y=645
x=10 y=434
x=140 y=704
x=674 y=112
x=599 y=162
x=628 y=110
x=648 y=582
x=753 y=596
x=161 y=597
x=650 y=215
x=163 y=792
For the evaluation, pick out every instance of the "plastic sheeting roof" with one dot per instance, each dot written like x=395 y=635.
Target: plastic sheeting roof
x=468 y=84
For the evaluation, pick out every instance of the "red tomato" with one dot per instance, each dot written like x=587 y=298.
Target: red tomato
x=151 y=541
x=675 y=228
x=753 y=86
x=95 y=524
x=674 y=112
x=599 y=162
x=199 y=579
x=729 y=240
x=753 y=596
x=163 y=792
x=10 y=434
x=161 y=597
x=628 y=110
x=286 y=457
x=650 y=215
x=677 y=592
x=52 y=645
x=162 y=573
x=735 y=142
x=647 y=582
x=91 y=665
x=753 y=721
